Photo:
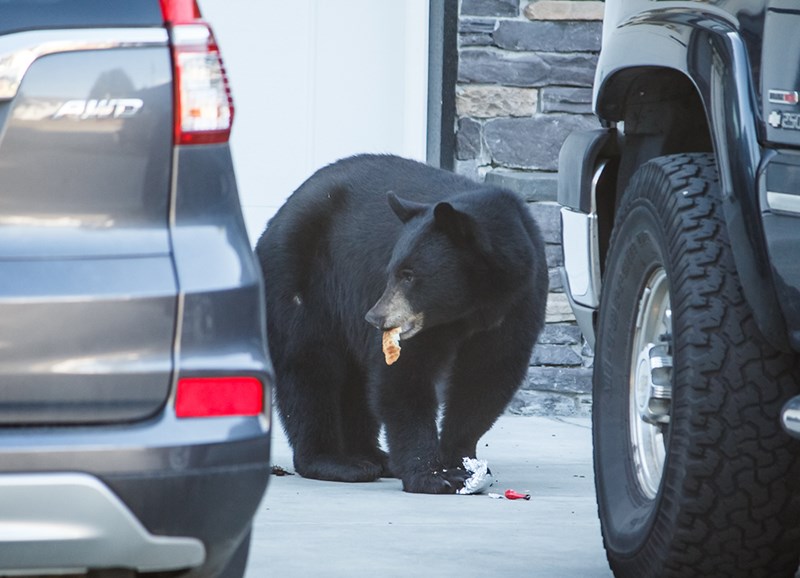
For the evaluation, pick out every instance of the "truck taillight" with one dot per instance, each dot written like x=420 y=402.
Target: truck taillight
x=203 y=102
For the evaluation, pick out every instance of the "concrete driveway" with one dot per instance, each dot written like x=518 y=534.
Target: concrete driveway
x=312 y=528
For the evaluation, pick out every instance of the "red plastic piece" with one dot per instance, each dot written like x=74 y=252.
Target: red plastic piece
x=514 y=495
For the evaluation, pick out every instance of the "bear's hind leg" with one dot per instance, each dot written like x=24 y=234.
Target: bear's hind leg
x=360 y=427
x=309 y=400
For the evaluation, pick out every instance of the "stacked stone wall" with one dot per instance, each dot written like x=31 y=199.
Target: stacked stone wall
x=525 y=73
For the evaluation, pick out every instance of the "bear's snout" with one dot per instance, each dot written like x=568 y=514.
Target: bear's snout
x=393 y=310
x=376 y=318
x=385 y=315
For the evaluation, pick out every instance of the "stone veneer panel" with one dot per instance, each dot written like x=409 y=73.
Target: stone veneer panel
x=494 y=101
x=524 y=83
x=564 y=10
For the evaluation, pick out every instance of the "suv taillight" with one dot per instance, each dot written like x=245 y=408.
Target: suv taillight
x=203 y=103
x=219 y=397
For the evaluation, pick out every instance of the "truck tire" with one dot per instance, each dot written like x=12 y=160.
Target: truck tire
x=694 y=475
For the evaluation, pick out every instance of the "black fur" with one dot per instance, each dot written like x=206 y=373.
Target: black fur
x=464 y=261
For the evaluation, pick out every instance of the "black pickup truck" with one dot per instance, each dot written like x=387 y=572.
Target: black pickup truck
x=680 y=222
x=134 y=378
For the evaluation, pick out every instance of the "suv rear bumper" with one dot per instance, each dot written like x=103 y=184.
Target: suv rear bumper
x=74 y=522
x=134 y=496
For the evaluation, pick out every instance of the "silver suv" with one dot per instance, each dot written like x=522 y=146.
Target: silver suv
x=134 y=378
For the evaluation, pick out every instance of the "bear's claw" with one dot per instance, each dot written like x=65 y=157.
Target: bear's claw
x=442 y=481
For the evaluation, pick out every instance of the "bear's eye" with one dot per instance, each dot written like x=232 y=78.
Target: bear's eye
x=406 y=276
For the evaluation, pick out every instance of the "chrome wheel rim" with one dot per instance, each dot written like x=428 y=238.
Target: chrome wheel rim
x=651 y=383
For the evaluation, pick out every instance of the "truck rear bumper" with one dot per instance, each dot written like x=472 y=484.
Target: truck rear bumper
x=580 y=274
x=581 y=164
x=779 y=191
x=790 y=417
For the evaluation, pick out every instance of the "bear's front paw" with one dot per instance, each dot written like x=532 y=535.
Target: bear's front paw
x=441 y=481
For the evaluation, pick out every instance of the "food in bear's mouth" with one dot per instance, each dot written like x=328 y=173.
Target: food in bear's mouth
x=391 y=345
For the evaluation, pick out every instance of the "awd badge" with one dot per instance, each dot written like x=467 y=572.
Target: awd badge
x=99 y=109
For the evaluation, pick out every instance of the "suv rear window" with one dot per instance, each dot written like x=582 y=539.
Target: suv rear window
x=19 y=15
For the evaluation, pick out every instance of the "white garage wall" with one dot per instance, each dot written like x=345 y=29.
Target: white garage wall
x=317 y=80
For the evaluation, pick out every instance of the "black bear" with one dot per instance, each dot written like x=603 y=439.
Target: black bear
x=374 y=243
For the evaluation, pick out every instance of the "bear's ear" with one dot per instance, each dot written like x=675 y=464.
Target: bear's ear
x=459 y=226
x=405 y=210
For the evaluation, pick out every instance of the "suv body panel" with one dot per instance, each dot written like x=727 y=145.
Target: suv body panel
x=715 y=48
x=100 y=122
x=84 y=233
x=124 y=266
x=221 y=303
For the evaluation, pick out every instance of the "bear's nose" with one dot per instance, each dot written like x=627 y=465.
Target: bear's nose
x=375 y=317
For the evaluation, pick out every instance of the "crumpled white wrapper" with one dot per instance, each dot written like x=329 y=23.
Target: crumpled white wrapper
x=481 y=478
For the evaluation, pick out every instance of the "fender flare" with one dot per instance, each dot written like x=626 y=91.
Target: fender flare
x=707 y=49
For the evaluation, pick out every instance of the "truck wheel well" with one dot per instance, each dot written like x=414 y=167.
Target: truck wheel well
x=659 y=112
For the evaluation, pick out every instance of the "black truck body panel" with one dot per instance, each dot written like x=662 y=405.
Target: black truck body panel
x=734 y=59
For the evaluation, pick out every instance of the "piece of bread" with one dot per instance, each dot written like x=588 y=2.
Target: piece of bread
x=391 y=345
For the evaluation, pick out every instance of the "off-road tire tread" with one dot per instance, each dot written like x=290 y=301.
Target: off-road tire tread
x=729 y=504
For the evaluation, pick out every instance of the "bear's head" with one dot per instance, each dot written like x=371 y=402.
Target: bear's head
x=438 y=270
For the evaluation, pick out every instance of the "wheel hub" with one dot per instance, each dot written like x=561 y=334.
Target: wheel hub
x=653 y=386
